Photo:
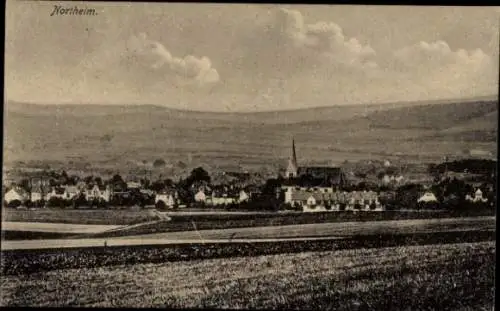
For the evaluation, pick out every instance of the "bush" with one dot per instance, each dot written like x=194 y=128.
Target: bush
x=79 y=201
x=58 y=202
x=14 y=203
x=40 y=203
x=161 y=205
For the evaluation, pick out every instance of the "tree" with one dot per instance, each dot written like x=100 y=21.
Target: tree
x=98 y=181
x=25 y=184
x=117 y=179
x=157 y=186
x=14 y=204
x=79 y=201
x=270 y=186
x=63 y=178
x=199 y=174
x=161 y=205
x=57 y=202
x=88 y=179
x=39 y=203
x=118 y=183
x=73 y=180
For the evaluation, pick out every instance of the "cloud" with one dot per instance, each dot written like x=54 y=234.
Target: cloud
x=439 y=54
x=323 y=39
x=436 y=68
x=188 y=70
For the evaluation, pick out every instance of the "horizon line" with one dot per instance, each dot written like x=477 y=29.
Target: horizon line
x=139 y=104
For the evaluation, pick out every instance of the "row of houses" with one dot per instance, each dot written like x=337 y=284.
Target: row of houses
x=329 y=198
x=168 y=197
x=91 y=192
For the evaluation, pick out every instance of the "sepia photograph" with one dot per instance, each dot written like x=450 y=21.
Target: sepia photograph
x=249 y=156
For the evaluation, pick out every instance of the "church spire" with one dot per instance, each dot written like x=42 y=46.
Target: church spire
x=292 y=163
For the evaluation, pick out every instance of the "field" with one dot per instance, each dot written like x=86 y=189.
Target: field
x=429 y=277
x=274 y=233
x=215 y=220
x=185 y=223
x=89 y=217
x=332 y=229
x=81 y=224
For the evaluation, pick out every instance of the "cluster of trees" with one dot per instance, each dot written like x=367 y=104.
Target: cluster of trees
x=474 y=166
x=450 y=194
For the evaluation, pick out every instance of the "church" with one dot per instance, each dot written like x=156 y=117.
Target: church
x=319 y=188
x=312 y=176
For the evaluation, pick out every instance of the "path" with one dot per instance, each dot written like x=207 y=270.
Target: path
x=272 y=234
x=55 y=227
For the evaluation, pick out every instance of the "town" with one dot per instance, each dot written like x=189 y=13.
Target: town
x=378 y=186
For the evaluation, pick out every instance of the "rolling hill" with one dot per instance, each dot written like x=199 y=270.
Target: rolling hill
x=118 y=137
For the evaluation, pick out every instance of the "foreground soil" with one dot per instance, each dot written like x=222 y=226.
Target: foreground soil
x=440 y=277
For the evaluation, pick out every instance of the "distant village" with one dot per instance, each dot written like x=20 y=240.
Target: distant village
x=299 y=188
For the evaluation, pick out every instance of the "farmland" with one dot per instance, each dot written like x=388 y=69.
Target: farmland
x=439 y=277
x=272 y=233
x=90 y=217
x=332 y=229
x=185 y=223
x=71 y=253
x=214 y=220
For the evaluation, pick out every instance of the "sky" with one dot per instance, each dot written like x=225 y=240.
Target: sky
x=241 y=57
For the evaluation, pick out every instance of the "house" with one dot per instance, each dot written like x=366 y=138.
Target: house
x=16 y=194
x=57 y=192
x=220 y=200
x=96 y=192
x=133 y=185
x=314 y=209
x=330 y=199
x=300 y=196
x=38 y=193
x=399 y=179
x=200 y=196
x=147 y=192
x=478 y=197
x=427 y=197
x=387 y=179
x=243 y=196
x=81 y=185
x=169 y=198
x=367 y=199
x=71 y=192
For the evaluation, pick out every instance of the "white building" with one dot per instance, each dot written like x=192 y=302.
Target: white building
x=427 y=197
x=133 y=185
x=37 y=194
x=243 y=196
x=70 y=192
x=200 y=196
x=168 y=198
x=96 y=192
x=329 y=199
x=16 y=193
x=478 y=197
x=56 y=192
